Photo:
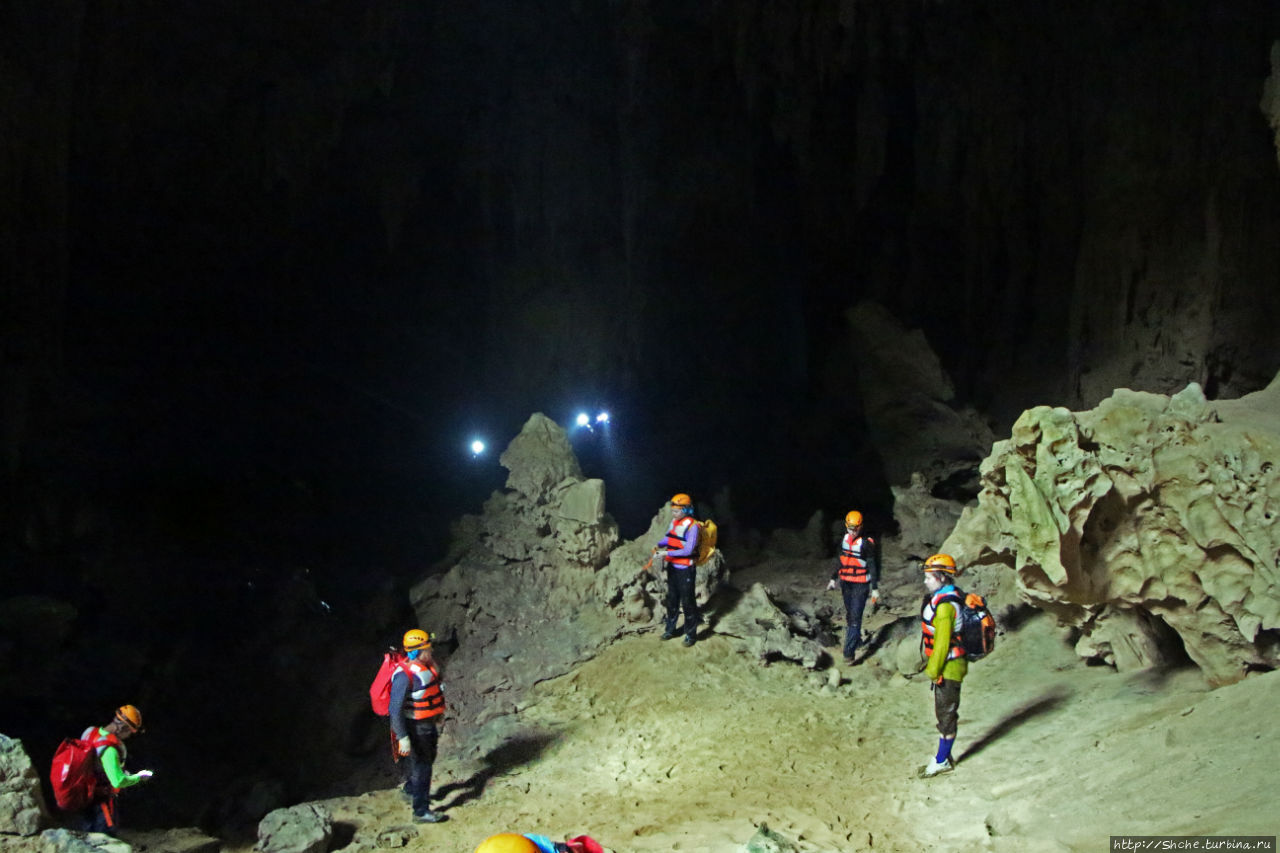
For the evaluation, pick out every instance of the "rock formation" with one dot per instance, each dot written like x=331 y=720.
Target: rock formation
x=909 y=401
x=1271 y=96
x=22 y=810
x=1145 y=519
x=519 y=604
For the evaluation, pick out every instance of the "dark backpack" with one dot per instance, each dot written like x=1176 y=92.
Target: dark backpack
x=977 y=626
x=75 y=775
x=380 y=689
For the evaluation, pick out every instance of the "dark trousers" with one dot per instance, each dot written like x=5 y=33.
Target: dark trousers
x=100 y=816
x=423 y=737
x=946 y=706
x=855 y=601
x=680 y=594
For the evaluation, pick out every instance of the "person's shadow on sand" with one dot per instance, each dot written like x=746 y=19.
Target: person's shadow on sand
x=1043 y=704
x=515 y=752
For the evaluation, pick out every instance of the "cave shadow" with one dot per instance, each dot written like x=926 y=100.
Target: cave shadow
x=721 y=602
x=1046 y=703
x=522 y=749
x=874 y=641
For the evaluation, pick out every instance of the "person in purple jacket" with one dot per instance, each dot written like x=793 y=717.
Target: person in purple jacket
x=678 y=550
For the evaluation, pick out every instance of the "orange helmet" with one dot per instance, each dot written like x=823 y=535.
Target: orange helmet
x=853 y=519
x=940 y=563
x=507 y=842
x=416 y=639
x=130 y=716
x=682 y=500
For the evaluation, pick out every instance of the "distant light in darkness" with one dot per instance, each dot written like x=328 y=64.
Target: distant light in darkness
x=477 y=447
x=584 y=420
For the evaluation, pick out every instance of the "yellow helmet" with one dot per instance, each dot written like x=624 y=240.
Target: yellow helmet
x=940 y=563
x=682 y=500
x=416 y=639
x=130 y=716
x=507 y=842
x=853 y=519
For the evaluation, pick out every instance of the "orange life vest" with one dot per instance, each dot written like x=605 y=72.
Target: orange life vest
x=675 y=540
x=853 y=563
x=926 y=622
x=428 y=701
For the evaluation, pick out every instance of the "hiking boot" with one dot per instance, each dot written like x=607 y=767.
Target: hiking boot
x=429 y=816
x=849 y=660
x=689 y=639
x=933 y=768
x=668 y=633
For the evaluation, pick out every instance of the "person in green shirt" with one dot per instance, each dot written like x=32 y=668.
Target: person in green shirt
x=947 y=664
x=108 y=742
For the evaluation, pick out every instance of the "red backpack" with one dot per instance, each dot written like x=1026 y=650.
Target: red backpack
x=380 y=689
x=75 y=775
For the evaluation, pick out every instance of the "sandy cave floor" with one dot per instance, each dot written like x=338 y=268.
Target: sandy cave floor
x=652 y=746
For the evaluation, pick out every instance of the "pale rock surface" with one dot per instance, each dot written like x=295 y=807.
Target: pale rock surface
x=1144 y=517
x=305 y=828
x=925 y=521
x=769 y=633
x=22 y=810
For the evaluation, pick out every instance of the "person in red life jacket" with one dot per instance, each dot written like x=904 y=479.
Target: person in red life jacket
x=947 y=665
x=858 y=572
x=416 y=709
x=678 y=550
x=108 y=742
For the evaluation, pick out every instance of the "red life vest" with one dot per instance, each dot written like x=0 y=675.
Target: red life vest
x=675 y=540
x=427 y=702
x=853 y=563
x=926 y=623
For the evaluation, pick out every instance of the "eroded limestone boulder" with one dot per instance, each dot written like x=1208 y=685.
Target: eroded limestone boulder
x=22 y=810
x=539 y=458
x=1146 y=517
x=767 y=631
x=304 y=828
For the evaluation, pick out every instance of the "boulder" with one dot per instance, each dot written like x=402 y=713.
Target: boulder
x=539 y=458
x=305 y=828
x=22 y=809
x=767 y=631
x=1147 y=523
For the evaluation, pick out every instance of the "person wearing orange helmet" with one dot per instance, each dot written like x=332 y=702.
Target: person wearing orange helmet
x=416 y=709
x=108 y=743
x=678 y=551
x=510 y=842
x=947 y=664
x=858 y=573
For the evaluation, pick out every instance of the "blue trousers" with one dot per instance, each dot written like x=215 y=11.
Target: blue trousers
x=855 y=601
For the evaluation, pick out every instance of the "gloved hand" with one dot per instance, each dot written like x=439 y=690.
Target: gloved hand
x=659 y=555
x=144 y=774
x=402 y=746
x=875 y=599
x=831 y=584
